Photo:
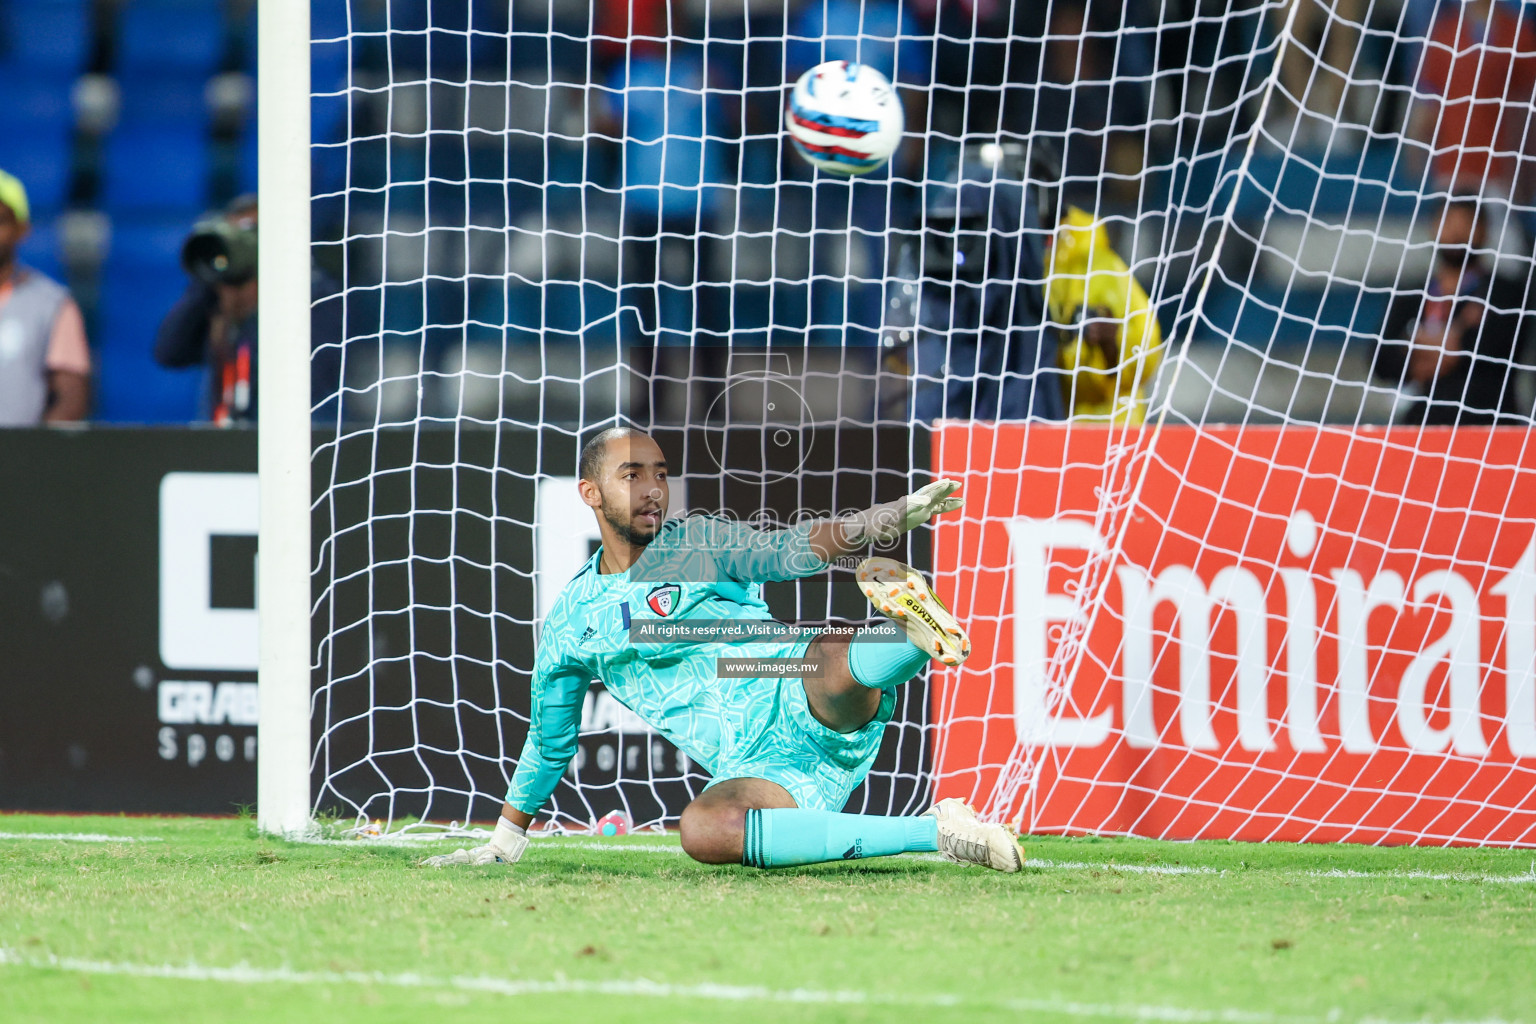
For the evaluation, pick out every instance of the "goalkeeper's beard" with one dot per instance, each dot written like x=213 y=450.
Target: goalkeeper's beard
x=623 y=524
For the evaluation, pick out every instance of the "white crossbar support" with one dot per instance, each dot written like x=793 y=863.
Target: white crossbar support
x=282 y=769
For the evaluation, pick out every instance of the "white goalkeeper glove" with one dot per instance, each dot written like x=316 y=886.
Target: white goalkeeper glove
x=884 y=523
x=507 y=845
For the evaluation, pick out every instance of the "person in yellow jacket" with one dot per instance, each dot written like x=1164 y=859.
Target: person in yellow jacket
x=1110 y=339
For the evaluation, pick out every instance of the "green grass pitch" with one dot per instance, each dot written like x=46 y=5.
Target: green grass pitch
x=203 y=920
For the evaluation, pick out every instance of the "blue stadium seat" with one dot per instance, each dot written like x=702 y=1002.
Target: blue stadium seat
x=248 y=158
x=156 y=37
x=328 y=169
x=150 y=244
x=243 y=32
x=42 y=249
x=31 y=103
x=45 y=37
x=160 y=169
x=328 y=73
x=35 y=124
x=130 y=386
x=164 y=99
x=330 y=21
x=1336 y=183
x=329 y=64
x=42 y=165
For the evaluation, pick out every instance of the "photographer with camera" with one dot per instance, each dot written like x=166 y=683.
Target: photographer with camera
x=969 y=310
x=213 y=324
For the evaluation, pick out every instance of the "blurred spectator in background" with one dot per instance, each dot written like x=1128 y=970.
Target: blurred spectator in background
x=1479 y=74
x=213 y=325
x=1100 y=116
x=676 y=176
x=971 y=61
x=1110 y=342
x=1452 y=347
x=1315 y=66
x=45 y=364
x=970 y=302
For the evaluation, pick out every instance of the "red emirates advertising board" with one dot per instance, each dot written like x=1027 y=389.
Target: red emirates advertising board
x=1291 y=633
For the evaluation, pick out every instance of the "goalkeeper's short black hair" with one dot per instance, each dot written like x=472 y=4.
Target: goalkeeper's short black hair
x=590 y=466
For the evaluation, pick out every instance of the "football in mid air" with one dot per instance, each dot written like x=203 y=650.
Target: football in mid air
x=845 y=118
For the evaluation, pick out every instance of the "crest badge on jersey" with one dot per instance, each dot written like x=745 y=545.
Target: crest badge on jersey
x=664 y=598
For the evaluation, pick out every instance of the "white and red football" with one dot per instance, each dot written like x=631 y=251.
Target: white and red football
x=844 y=117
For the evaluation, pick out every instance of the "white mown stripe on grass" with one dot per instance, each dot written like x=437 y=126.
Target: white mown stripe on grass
x=1432 y=876
x=560 y=841
x=1124 y=869
x=243 y=974
x=80 y=837
x=1180 y=869
x=671 y=847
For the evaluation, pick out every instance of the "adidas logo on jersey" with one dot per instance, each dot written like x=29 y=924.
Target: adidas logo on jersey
x=854 y=852
x=586 y=635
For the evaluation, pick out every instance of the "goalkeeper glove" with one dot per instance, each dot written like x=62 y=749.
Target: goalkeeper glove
x=507 y=845
x=884 y=523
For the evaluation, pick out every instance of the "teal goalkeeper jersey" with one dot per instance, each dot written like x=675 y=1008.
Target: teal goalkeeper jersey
x=698 y=567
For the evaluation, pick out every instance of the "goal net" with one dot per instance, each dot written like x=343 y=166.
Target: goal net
x=1216 y=310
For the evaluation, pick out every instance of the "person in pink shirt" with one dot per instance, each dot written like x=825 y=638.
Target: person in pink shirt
x=45 y=364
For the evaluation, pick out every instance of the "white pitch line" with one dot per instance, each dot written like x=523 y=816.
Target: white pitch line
x=244 y=974
x=80 y=837
x=1131 y=869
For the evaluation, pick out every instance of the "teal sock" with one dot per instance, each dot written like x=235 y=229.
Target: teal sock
x=878 y=660
x=782 y=837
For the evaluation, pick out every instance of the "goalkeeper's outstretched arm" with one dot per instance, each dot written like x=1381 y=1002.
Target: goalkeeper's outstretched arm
x=831 y=539
x=756 y=556
x=553 y=727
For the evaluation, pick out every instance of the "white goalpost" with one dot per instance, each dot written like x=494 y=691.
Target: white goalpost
x=1221 y=313
x=283 y=800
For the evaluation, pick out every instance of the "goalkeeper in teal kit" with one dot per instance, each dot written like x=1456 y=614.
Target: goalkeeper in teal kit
x=661 y=612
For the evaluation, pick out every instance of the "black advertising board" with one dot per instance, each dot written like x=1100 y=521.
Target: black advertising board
x=92 y=718
x=128 y=620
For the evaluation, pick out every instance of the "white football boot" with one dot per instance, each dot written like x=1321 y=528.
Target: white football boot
x=900 y=592
x=965 y=839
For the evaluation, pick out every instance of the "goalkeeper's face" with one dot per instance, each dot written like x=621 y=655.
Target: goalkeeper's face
x=634 y=489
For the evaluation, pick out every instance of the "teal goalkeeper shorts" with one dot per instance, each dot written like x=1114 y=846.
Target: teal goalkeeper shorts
x=819 y=766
